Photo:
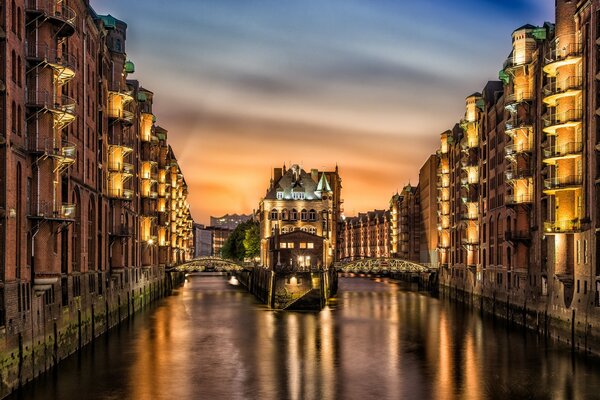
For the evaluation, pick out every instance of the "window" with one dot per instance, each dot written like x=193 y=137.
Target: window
x=303 y=215
x=19 y=71
x=274 y=214
x=279 y=195
x=13 y=66
x=312 y=215
x=294 y=215
x=285 y=215
x=13 y=16
x=290 y=245
x=578 y=250
x=303 y=245
x=283 y=245
x=310 y=245
x=585 y=251
x=13 y=117
x=298 y=195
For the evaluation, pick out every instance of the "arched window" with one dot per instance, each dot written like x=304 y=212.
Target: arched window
x=13 y=66
x=19 y=231
x=76 y=232
x=303 y=215
x=13 y=17
x=312 y=229
x=294 y=215
x=312 y=215
x=499 y=248
x=19 y=23
x=285 y=214
x=285 y=229
x=13 y=117
x=274 y=215
x=19 y=70
x=19 y=121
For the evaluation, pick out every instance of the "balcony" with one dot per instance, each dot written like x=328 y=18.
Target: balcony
x=511 y=100
x=63 y=152
x=514 y=123
x=149 y=194
x=517 y=236
x=513 y=62
x=120 y=194
x=469 y=217
x=55 y=12
x=564 y=226
x=559 y=56
x=63 y=63
x=119 y=114
x=512 y=150
x=518 y=172
x=62 y=108
x=554 y=91
x=518 y=199
x=54 y=212
x=470 y=243
x=121 y=231
x=118 y=166
x=569 y=182
x=563 y=151
x=553 y=122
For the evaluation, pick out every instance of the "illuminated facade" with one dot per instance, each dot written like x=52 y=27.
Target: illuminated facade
x=305 y=201
x=84 y=193
x=368 y=235
x=519 y=181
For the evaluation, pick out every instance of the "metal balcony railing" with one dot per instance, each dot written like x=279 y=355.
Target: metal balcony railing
x=558 y=52
x=511 y=199
x=552 y=120
x=122 y=194
x=564 y=226
x=43 y=99
x=518 y=172
x=563 y=182
x=562 y=86
x=53 y=211
x=517 y=236
x=563 y=150
x=56 y=11
x=121 y=114
x=514 y=149
x=518 y=97
x=42 y=52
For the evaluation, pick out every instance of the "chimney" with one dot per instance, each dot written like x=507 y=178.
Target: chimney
x=314 y=174
x=277 y=174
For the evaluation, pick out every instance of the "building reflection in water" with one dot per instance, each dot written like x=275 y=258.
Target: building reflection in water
x=212 y=340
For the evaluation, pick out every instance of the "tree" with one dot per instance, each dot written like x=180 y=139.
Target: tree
x=234 y=247
x=252 y=241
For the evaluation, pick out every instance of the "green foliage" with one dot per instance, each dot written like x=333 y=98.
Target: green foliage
x=252 y=241
x=235 y=248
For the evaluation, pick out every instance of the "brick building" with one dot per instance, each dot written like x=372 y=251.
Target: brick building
x=365 y=236
x=519 y=180
x=300 y=200
x=92 y=200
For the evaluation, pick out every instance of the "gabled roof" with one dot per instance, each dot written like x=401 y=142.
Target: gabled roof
x=323 y=185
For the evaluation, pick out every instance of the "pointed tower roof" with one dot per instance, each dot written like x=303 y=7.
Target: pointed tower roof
x=323 y=185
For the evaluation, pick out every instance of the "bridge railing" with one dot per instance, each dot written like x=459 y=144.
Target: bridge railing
x=378 y=265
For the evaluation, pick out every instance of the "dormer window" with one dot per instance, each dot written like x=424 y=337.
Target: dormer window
x=279 y=195
x=298 y=195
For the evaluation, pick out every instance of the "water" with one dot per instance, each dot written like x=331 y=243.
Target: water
x=212 y=340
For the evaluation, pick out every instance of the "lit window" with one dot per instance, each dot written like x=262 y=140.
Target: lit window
x=290 y=245
x=279 y=195
x=310 y=245
x=298 y=195
x=283 y=245
x=302 y=245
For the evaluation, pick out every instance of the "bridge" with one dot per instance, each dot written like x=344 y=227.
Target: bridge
x=383 y=266
x=211 y=264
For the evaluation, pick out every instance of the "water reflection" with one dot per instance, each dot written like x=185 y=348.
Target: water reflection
x=212 y=340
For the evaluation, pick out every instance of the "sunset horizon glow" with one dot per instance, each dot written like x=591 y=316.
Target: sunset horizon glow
x=243 y=87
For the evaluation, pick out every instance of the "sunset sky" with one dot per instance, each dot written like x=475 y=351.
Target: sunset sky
x=246 y=85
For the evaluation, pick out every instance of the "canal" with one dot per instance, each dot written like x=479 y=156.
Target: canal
x=212 y=340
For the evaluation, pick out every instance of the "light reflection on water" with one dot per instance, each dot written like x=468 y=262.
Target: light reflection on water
x=212 y=340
